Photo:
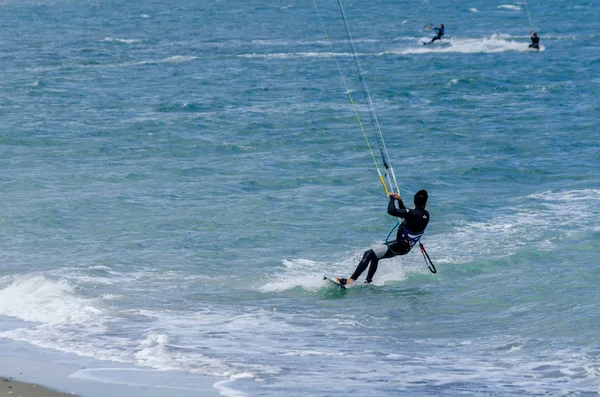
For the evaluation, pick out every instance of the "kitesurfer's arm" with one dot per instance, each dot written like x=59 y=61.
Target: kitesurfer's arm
x=392 y=210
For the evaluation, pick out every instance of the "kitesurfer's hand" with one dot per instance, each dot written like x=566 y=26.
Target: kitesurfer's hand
x=395 y=195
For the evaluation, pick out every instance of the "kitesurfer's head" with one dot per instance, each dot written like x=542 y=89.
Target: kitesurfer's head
x=534 y=34
x=441 y=26
x=421 y=198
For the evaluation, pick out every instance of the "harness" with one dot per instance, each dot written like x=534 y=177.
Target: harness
x=409 y=237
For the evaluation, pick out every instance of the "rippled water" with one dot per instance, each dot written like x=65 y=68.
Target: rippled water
x=178 y=176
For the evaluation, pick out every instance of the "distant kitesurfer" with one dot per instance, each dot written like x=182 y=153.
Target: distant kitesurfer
x=440 y=33
x=535 y=41
x=409 y=232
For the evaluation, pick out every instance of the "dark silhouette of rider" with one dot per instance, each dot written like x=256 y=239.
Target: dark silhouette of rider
x=440 y=33
x=535 y=41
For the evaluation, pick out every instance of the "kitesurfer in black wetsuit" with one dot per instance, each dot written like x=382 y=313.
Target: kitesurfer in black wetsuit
x=440 y=33
x=535 y=41
x=409 y=232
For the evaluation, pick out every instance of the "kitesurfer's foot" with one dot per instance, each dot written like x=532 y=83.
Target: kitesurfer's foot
x=367 y=281
x=344 y=281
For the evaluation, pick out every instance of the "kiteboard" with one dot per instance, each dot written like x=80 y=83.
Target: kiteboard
x=540 y=48
x=333 y=280
x=435 y=43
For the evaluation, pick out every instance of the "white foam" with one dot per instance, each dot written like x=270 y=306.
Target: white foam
x=308 y=282
x=173 y=59
x=473 y=10
x=510 y=7
x=588 y=196
x=302 y=273
x=398 y=268
x=224 y=389
x=99 y=267
x=155 y=353
x=179 y=59
x=111 y=296
x=266 y=42
x=104 y=339
x=290 y=55
x=124 y=41
x=147 y=378
x=38 y=299
x=309 y=353
x=529 y=221
x=308 y=274
x=492 y=44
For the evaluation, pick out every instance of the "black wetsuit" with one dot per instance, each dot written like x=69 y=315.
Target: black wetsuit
x=409 y=232
x=535 y=42
x=440 y=33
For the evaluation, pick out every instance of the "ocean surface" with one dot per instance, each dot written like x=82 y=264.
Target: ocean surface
x=178 y=176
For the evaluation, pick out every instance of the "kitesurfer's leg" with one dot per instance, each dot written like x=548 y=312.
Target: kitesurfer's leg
x=371 y=259
x=367 y=259
x=394 y=248
x=372 y=270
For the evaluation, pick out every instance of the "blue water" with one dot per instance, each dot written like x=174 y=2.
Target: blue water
x=177 y=177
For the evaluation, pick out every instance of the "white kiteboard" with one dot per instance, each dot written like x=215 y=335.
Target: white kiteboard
x=334 y=281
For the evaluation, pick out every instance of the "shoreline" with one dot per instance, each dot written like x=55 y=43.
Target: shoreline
x=30 y=371
x=10 y=387
x=32 y=378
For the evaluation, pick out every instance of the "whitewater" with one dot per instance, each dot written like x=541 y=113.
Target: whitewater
x=179 y=176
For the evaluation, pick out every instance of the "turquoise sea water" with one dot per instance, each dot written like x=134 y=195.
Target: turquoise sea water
x=178 y=176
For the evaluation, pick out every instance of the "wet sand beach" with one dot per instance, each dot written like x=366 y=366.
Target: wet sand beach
x=12 y=388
